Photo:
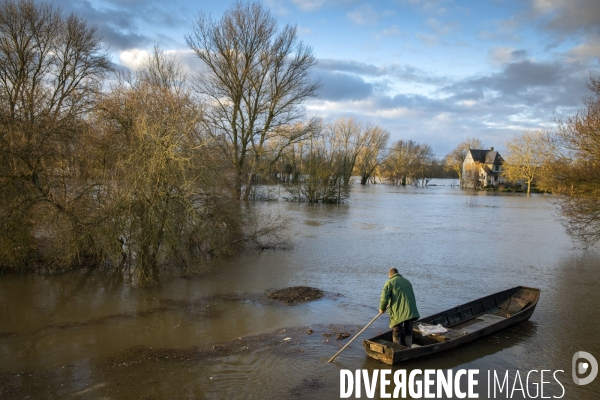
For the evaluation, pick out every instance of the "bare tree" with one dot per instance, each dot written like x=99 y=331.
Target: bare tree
x=456 y=158
x=346 y=139
x=282 y=153
x=51 y=70
x=256 y=79
x=400 y=164
x=324 y=168
x=373 y=154
x=525 y=158
x=424 y=160
x=150 y=189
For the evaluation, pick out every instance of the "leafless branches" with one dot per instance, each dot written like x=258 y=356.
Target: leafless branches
x=257 y=79
x=373 y=154
x=408 y=162
x=51 y=69
x=574 y=173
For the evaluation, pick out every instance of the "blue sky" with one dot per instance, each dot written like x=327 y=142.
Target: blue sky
x=434 y=71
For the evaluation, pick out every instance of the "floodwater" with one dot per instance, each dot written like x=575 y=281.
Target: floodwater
x=83 y=335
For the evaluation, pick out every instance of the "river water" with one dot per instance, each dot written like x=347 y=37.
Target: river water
x=83 y=335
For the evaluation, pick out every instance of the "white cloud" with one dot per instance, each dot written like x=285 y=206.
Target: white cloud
x=392 y=31
x=363 y=15
x=133 y=58
x=368 y=108
x=500 y=55
x=443 y=117
x=276 y=6
x=430 y=6
x=440 y=28
x=468 y=103
x=308 y=5
x=503 y=55
x=395 y=113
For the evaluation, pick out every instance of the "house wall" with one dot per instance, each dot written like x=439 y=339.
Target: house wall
x=475 y=175
x=470 y=173
x=468 y=161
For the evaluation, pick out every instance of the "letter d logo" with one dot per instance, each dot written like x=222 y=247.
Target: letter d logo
x=582 y=367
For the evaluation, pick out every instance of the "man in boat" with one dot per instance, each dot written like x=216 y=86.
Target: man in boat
x=398 y=298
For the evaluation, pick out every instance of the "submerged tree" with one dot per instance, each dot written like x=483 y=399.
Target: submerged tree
x=256 y=79
x=345 y=139
x=162 y=200
x=323 y=168
x=402 y=163
x=525 y=158
x=51 y=70
x=425 y=164
x=373 y=154
x=574 y=173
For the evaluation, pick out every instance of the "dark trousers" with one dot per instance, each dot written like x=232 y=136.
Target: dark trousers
x=403 y=331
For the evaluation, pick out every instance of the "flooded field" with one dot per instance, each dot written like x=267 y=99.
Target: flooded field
x=220 y=335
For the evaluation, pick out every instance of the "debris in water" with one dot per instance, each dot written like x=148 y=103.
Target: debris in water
x=296 y=294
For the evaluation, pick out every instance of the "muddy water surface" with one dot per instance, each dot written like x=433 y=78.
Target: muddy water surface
x=82 y=335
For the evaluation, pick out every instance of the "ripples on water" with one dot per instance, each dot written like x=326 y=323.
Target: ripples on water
x=453 y=245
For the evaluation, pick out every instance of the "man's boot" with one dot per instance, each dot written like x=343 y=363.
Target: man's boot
x=408 y=341
x=395 y=333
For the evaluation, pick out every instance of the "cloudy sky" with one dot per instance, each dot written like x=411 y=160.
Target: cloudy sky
x=434 y=71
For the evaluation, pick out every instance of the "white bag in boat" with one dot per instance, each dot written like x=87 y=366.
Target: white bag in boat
x=432 y=329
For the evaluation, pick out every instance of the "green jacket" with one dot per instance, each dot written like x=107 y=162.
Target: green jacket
x=397 y=294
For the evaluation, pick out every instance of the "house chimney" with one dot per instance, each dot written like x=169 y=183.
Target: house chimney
x=491 y=149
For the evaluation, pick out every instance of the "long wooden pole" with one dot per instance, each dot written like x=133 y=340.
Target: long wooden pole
x=355 y=336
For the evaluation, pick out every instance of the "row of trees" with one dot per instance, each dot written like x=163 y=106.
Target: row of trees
x=322 y=165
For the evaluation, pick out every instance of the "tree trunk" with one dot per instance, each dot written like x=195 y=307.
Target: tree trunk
x=364 y=179
x=237 y=185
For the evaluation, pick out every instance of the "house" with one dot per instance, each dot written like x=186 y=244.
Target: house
x=482 y=168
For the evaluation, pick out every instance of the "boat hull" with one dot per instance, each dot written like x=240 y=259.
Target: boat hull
x=467 y=323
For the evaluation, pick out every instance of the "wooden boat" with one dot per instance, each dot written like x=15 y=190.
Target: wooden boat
x=465 y=324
